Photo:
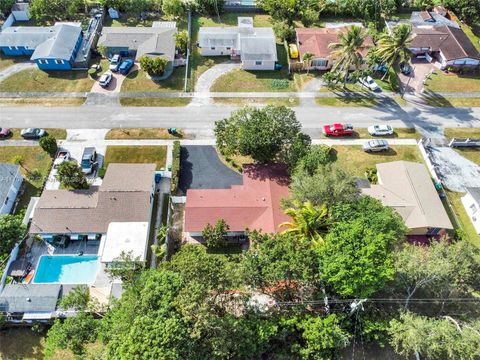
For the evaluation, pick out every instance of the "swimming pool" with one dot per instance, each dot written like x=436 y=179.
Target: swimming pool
x=66 y=269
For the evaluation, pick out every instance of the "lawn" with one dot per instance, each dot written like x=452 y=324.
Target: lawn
x=365 y=101
x=50 y=102
x=34 y=159
x=137 y=154
x=459 y=210
x=356 y=161
x=52 y=81
x=441 y=82
x=452 y=101
x=59 y=134
x=134 y=20
x=471 y=154
x=235 y=162
x=461 y=132
x=257 y=81
x=283 y=101
x=137 y=80
x=141 y=133
x=6 y=61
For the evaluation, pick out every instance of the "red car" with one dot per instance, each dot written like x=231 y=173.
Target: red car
x=5 y=133
x=338 y=130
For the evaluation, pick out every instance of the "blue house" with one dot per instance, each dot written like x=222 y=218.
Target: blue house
x=52 y=48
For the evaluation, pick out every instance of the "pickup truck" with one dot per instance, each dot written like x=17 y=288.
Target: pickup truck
x=61 y=157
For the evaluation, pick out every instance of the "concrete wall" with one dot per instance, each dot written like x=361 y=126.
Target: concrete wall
x=263 y=65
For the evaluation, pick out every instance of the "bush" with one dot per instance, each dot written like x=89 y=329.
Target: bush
x=279 y=84
x=371 y=174
x=101 y=172
x=315 y=157
x=155 y=66
x=49 y=144
x=175 y=167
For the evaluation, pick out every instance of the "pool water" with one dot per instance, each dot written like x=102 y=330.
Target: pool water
x=66 y=269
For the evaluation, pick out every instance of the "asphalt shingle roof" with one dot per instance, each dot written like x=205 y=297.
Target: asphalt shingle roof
x=8 y=172
x=20 y=298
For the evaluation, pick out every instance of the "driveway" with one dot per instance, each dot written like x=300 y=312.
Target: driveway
x=421 y=68
x=15 y=69
x=201 y=168
x=114 y=86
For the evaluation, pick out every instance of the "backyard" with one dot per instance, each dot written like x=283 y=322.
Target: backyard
x=34 y=158
x=136 y=154
x=461 y=215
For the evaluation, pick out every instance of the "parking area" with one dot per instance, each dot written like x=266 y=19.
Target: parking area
x=414 y=81
x=201 y=168
x=76 y=152
x=114 y=86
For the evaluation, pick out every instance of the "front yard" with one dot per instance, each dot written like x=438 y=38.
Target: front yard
x=34 y=158
x=141 y=133
x=461 y=133
x=356 y=161
x=137 y=81
x=6 y=61
x=441 y=82
x=471 y=154
x=136 y=154
x=59 y=134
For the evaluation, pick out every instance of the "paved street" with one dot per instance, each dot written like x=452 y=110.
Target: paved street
x=200 y=119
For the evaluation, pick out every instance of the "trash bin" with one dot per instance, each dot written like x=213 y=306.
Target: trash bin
x=278 y=66
x=158 y=177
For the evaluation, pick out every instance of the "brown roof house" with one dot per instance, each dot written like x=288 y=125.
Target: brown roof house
x=118 y=212
x=254 y=205
x=316 y=42
x=407 y=187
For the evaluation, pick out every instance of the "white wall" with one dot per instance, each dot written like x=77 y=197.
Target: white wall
x=467 y=202
x=6 y=208
x=251 y=65
x=217 y=51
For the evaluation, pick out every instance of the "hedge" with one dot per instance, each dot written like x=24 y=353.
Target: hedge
x=175 y=167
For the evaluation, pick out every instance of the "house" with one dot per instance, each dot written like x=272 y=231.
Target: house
x=471 y=203
x=407 y=188
x=316 y=41
x=158 y=40
x=10 y=184
x=448 y=45
x=51 y=47
x=20 y=11
x=254 y=205
x=255 y=46
x=117 y=213
x=431 y=18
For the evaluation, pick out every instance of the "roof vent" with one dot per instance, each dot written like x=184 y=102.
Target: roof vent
x=28 y=300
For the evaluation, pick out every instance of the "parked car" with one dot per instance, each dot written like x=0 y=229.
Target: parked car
x=33 y=133
x=5 y=133
x=89 y=158
x=369 y=83
x=62 y=156
x=406 y=69
x=376 y=146
x=338 y=129
x=380 y=130
x=293 y=50
x=115 y=62
x=105 y=79
x=126 y=66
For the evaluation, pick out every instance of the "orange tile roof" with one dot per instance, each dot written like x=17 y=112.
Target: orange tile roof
x=254 y=205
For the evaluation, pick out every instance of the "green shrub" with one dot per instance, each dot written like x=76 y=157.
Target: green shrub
x=371 y=174
x=48 y=144
x=101 y=172
x=175 y=167
x=279 y=84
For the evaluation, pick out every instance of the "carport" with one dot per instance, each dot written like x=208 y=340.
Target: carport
x=201 y=168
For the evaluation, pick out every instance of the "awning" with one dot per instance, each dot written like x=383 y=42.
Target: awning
x=37 y=316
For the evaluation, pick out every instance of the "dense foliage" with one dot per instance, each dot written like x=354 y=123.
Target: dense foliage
x=12 y=230
x=153 y=66
x=71 y=176
x=52 y=10
x=48 y=144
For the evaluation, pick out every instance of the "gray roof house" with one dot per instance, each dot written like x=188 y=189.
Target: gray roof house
x=60 y=46
x=158 y=40
x=255 y=46
x=430 y=18
x=407 y=188
x=10 y=183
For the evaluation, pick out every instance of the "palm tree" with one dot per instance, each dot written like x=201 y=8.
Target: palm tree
x=347 y=51
x=393 y=47
x=307 y=60
x=309 y=222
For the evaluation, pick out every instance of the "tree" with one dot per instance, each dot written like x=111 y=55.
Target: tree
x=323 y=337
x=315 y=157
x=72 y=333
x=173 y=8
x=393 y=48
x=215 y=236
x=309 y=16
x=284 y=30
x=268 y=134
x=307 y=60
x=357 y=257
x=121 y=5
x=435 y=338
x=208 y=7
x=309 y=223
x=6 y=6
x=78 y=299
x=125 y=267
x=328 y=185
x=347 y=51
x=71 y=176
x=49 y=10
x=20 y=161
x=281 y=9
x=48 y=144
x=181 y=40
x=155 y=66
x=12 y=230
x=437 y=270
x=467 y=10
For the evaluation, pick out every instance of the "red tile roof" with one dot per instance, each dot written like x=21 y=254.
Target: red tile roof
x=316 y=40
x=255 y=205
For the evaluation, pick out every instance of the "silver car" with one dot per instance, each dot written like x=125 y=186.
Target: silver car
x=379 y=130
x=376 y=146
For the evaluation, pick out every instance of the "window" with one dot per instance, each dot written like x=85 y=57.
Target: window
x=319 y=62
x=58 y=61
x=474 y=209
x=212 y=48
x=229 y=48
x=6 y=200
x=258 y=63
x=42 y=61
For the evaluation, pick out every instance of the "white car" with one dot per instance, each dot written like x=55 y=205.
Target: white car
x=105 y=79
x=380 y=130
x=369 y=83
x=62 y=156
